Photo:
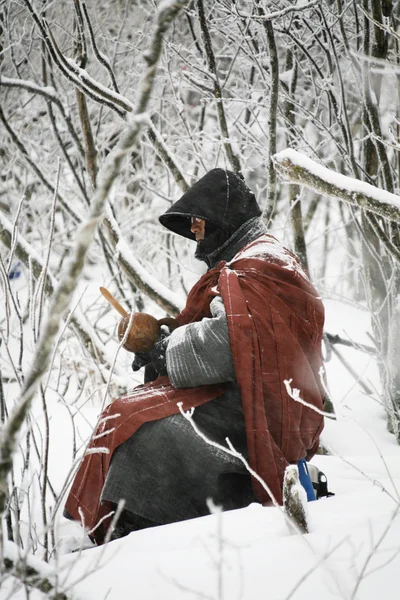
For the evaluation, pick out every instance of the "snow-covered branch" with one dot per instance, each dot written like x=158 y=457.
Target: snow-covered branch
x=161 y=149
x=298 y=7
x=272 y=114
x=294 y=393
x=85 y=235
x=138 y=274
x=217 y=90
x=297 y=168
x=50 y=94
x=231 y=451
x=28 y=256
x=47 y=91
x=33 y=572
x=22 y=149
x=103 y=60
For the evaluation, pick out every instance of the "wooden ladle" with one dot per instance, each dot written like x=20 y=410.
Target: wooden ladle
x=144 y=330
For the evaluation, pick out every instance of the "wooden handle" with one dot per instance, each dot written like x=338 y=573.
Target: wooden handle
x=110 y=298
x=169 y=322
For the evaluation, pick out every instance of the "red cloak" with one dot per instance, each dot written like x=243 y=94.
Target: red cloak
x=275 y=320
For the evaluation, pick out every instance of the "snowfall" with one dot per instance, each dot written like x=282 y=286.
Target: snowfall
x=352 y=550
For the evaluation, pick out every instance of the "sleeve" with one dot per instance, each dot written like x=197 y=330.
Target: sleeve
x=200 y=353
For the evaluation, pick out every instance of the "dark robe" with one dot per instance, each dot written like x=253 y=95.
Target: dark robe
x=275 y=319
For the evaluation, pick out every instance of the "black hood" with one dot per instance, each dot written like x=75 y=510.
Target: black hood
x=221 y=198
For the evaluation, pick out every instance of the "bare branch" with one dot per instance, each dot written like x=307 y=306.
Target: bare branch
x=83 y=81
x=162 y=150
x=50 y=94
x=68 y=281
x=90 y=148
x=336 y=339
x=212 y=65
x=272 y=115
x=103 y=60
x=137 y=274
x=66 y=206
x=78 y=76
x=27 y=255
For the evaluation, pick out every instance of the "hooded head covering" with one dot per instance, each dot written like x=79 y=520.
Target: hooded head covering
x=222 y=199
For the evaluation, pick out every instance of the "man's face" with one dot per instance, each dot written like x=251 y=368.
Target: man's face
x=198 y=227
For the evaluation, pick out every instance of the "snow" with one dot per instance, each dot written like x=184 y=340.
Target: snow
x=352 y=550
x=254 y=553
x=341 y=181
x=275 y=252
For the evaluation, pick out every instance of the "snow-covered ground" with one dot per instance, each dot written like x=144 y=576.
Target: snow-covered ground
x=352 y=550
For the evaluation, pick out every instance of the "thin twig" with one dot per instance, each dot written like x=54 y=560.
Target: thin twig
x=212 y=65
x=68 y=281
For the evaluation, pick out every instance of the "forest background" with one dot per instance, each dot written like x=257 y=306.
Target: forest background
x=109 y=110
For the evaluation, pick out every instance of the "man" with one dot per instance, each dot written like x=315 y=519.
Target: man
x=250 y=323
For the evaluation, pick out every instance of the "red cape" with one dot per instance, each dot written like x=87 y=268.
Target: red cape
x=275 y=321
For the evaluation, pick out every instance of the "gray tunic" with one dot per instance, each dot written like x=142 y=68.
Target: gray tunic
x=165 y=471
x=200 y=353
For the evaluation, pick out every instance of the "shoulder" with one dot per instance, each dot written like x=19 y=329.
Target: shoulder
x=268 y=250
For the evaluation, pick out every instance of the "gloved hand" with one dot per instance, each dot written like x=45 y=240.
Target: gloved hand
x=156 y=356
x=141 y=360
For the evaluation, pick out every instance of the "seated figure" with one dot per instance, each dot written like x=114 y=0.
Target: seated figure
x=252 y=321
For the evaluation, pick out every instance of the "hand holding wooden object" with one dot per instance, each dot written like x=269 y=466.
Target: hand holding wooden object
x=144 y=330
